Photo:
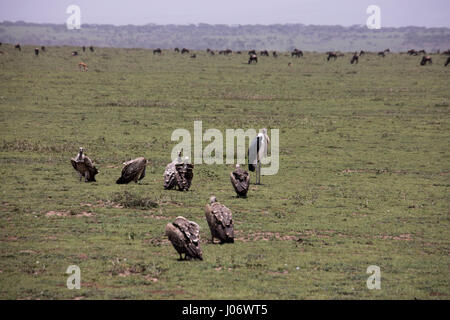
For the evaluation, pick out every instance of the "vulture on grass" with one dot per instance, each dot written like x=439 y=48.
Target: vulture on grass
x=179 y=174
x=184 y=236
x=240 y=179
x=133 y=170
x=220 y=221
x=83 y=165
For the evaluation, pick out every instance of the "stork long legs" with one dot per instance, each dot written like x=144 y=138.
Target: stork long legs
x=258 y=172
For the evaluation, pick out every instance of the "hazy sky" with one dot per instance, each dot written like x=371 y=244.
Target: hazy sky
x=394 y=13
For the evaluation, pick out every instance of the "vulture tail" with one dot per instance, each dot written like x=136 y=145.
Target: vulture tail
x=251 y=167
x=122 y=180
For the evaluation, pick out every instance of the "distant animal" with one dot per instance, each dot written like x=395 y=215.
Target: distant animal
x=253 y=58
x=381 y=54
x=133 y=170
x=84 y=166
x=331 y=55
x=91 y=48
x=264 y=53
x=36 y=52
x=362 y=52
x=240 y=179
x=258 y=150
x=84 y=48
x=447 y=52
x=193 y=56
x=289 y=64
x=74 y=53
x=185 y=238
x=425 y=60
x=297 y=53
x=157 y=51
x=220 y=221
x=387 y=50
x=412 y=52
x=252 y=52
x=43 y=48
x=448 y=61
x=238 y=52
x=355 y=58
x=212 y=53
x=18 y=47
x=184 y=50
x=82 y=66
x=274 y=54
x=176 y=50
x=422 y=51
x=226 y=52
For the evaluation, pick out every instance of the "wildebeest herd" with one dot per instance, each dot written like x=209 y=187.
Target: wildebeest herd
x=253 y=54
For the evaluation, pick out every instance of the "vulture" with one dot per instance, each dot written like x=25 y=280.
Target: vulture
x=184 y=236
x=83 y=165
x=133 y=170
x=257 y=151
x=240 y=179
x=220 y=221
x=179 y=174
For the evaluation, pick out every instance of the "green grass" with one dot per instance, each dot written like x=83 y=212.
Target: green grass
x=363 y=179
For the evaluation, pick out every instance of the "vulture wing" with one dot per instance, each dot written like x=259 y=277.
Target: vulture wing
x=176 y=237
x=170 y=180
x=133 y=170
x=183 y=175
x=74 y=163
x=91 y=169
x=240 y=179
x=191 y=231
x=220 y=221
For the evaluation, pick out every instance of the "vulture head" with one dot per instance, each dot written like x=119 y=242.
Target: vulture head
x=212 y=199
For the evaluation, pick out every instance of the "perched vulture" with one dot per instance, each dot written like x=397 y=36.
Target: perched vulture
x=220 y=221
x=84 y=166
x=184 y=236
x=240 y=179
x=133 y=170
x=178 y=174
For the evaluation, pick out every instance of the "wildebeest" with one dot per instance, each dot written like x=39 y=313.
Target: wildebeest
x=381 y=54
x=74 y=53
x=176 y=50
x=448 y=61
x=18 y=47
x=264 y=53
x=412 y=52
x=253 y=58
x=226 y=52
x=446 y=52
x=194 y=56
x=238 y=52
x=331 y=55
x=425 y=60
x=84 y=48
x=91 y=48
x=362 y=52
x=274 y=54
x=252 y=52
x=297 y=53
x=157 y=51
x=355 y=58
x=184 y=51
x=43 y=48
x=422 y=51
x=36 y=51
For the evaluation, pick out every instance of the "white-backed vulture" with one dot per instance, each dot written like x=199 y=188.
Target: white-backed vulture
x=220 y=221
x=133 y=170
x=185 y=238
x=240 y=179
x=83 y=165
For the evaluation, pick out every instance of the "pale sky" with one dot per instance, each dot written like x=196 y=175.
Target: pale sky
x=394 y=13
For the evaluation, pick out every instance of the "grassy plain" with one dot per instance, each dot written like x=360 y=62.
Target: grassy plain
x=363 y=180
